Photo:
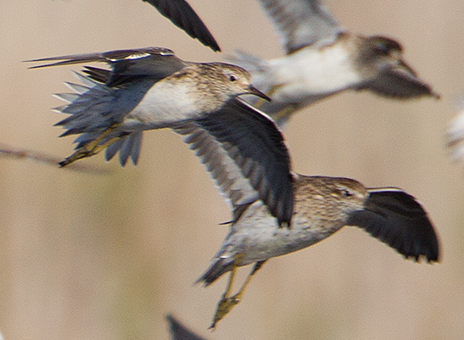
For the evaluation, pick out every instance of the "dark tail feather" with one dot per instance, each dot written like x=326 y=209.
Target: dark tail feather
x=128 y=146
x=215 y=271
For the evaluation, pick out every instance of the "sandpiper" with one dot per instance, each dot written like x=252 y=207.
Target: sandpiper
x=151 y=88
x=323 y=205
x=323 y=59
x=182 y=15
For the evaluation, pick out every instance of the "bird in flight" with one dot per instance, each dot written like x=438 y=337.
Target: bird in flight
x=322 y=206
x=151 y=88
x=323 y=58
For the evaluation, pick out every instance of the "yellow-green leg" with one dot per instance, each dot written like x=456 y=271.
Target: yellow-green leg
x=91 y=148
x=228 y=302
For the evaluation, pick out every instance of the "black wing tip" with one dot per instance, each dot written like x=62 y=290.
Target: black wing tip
x=170 y=317
x=182 y=15
x=179 y=331
x=399 y=220
x=428 y=247
x=35 y=66
x=428 y=250
x=40 y=60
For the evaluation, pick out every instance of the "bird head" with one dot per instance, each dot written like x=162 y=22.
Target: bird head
x=237 y=81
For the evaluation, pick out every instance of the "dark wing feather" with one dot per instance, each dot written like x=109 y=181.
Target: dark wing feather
x=229 y=179
x=302 y=22
x=183 y=16
x=179 y=331
x=108 y=57
x=399 y=83
x=126 y=65
x=397 y=219
x=98 y=74
x=256 y=145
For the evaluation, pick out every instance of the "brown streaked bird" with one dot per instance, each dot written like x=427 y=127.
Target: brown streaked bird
x=151 y=88
x=183 y=16
x=323 y=205
x=323 y=59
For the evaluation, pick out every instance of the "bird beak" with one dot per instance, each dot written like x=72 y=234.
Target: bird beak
x=402 y=64
x=406 y=68
x=253 y=90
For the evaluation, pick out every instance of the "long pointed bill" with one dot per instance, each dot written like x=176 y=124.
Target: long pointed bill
x=403 y=64
x=253 y=90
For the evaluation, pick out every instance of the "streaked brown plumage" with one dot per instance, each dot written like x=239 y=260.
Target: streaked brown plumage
x=323 y=205
x=151 y=88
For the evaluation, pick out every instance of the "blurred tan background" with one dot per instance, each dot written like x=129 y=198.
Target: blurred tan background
x=106 y=257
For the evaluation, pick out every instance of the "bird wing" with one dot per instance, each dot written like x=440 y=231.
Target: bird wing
x=230 y=182
x=397 y=219
x=126 y=65
x=245 y=153
x=179 y=331
x=183 y=16
x=399 y=82
x=302 y=22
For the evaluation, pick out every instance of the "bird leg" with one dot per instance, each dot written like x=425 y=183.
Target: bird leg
x=228 y=302
x=91 y=148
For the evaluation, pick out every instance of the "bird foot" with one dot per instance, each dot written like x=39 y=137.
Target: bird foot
x=80 y=153
x=92 y=147
x=224 y=307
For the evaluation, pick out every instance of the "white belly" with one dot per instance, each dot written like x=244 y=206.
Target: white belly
x=162 y=106
x=309 y=72
x=259 y=237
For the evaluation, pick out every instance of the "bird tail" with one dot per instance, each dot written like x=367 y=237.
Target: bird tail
x=94 y=114
x=217 y=268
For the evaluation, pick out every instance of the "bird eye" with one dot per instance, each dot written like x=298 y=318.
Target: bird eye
x=232 y=77
x=347 y=193
x=382 y=47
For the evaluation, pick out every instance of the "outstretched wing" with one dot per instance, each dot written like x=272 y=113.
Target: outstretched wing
x=396 y=218
x=302 y=22
x=235 y=188
x=179 y=331
x=126 y=65
x=246 y=155
x=183 y=16
x=399 y=82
